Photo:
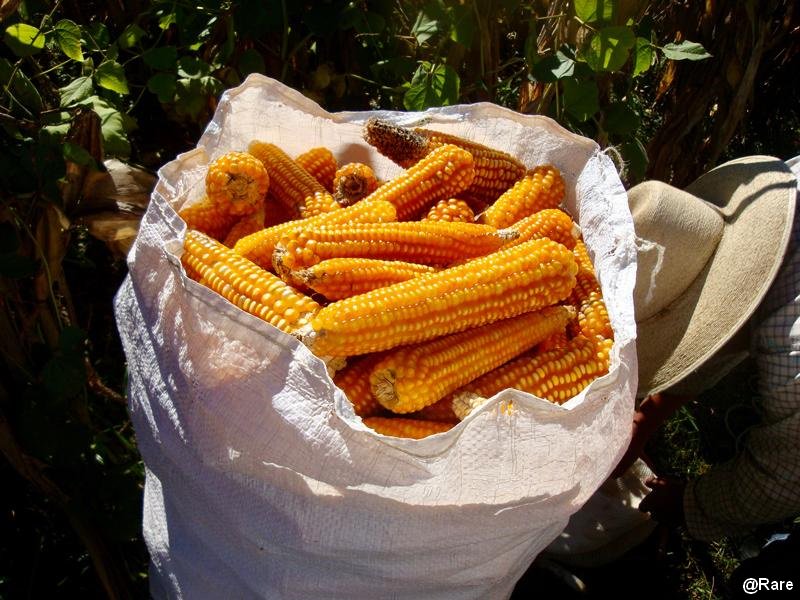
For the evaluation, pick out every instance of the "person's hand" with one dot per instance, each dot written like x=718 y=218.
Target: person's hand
x=665 y=502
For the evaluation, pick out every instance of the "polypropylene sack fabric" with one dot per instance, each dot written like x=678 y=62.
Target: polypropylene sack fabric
x=260 y=480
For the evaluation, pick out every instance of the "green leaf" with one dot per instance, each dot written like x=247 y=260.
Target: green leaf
x=64 y=376
x=68 y=37
x=370 y=22
x=685 y=50
x=553 y=67
x=635 y=155
x=590 y=11
x=581 y=98
x=190 y=67
x=251 y=61
x=97 y=36
x=163 y=86
x=76 y=91
x=112 y=123
x=164 y=58
x=189 y=98
x=431 y=20
x=168 y=19
x=620 y=118
x=609 y=48
x=23 y=91
x=643 y=55
x=432 y=86
x=79 y=155
x=24 y=39
x=111 y=76
x=131 y=36
x=463 y=28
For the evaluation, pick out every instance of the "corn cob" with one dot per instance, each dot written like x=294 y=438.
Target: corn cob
x=587 y=297
x=318 y=203
x=426 y=242
x=540 y=188
x=290 y=183
x=551 y=223
x=406 y=428
x=321 y=164
x=451 y=210
x=237 y=183
x=352 y=182
x=557 y=340
x=245 y=226
x=443 y=173
x=209 y=217
x=353 y=380
x=337 y=278
x=244 y=284
x=555 y=375
x=413 y=377
x=259 y=246
x=495 y=171
x=503 y=284
x=441 y=411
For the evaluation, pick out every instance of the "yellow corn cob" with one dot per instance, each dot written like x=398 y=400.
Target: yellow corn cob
x=427 y=242
x=337 y=278
x=244 y=284
x=503 y=284
x=495 y=171
x=406 y=428
x=587 y=298
x=353 y=182
x=540 y=188
x=555 y=375
x=353 y=380
x=245 y=226
x=259 y=246
x=445 y=172
x=557 y=340
x=451 y=210
x=209 y=217
x=237 y=182
x=551 y=223
x=290 y=183
x=320 y=164
x=318 y=203
x=441 y=411
x=413 y=377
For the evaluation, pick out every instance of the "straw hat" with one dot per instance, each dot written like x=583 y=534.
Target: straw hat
x=706 y=257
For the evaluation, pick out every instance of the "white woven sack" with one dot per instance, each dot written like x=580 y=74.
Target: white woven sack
x=262 y=483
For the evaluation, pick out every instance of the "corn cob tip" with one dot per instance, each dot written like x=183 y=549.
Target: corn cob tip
x=466 y=402
x=383 y=388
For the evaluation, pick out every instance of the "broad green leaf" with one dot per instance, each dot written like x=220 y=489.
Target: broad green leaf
x=191 y=67
x=163 y=86
x=581 y=98
x=76 y=91
x=620 y=118
x=111 y=76
x=431 y=20
x=21 y=88
x=168 y=19
x=79 y=155
x=643 y=55
x=97 y=36
x=590 y=11
x=685 y=50
x=68 y=37
x=189 y=97
x=131 y=36
x=609 y=48
x=432 y=86
x=251 y=61
x=24 y=39
x=164 y=58
x=210 y=85
x=463 y=28
x=635 y=155
x=553 y=67
x=112 y=123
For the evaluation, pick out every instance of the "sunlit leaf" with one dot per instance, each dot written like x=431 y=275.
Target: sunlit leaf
x=78 y=90
x=24 y=39
x=643 y=56
x=609 y=48
x=111 y=76
x=590 y=11
x=432 y=86
x=685 y=50
x=68 y=37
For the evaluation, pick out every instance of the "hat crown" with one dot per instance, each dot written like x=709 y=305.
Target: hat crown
x=676 y=235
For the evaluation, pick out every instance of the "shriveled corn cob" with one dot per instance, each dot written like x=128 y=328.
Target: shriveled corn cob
x=352 y=182
x=259 y=246
x=445 y=172
x=290 y=183
x=353 y=380
x=337 y=278
x=427 y=242
x=237 y=182
x=413 y=377
x=209 y=217
x=406 y=428
x=245 y=226
x=587 y=298
x=495 y=171
x=551 y=223
x=503 y=284
x=540 y=188
x=451 y=210
x=317 y=204
x=441 y=410
x=245 y=284
x=321 y=164
x=555 y=375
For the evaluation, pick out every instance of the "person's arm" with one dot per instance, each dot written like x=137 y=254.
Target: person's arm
x=652 y=413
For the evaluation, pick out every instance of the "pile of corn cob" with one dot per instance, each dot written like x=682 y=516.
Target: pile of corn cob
x=437 y=289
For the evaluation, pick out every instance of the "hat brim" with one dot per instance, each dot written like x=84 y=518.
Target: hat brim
x=756 y=196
